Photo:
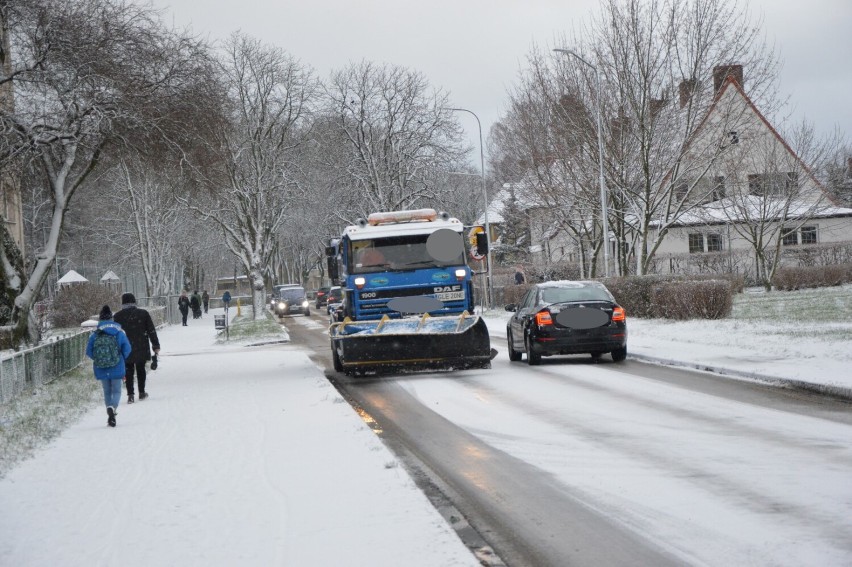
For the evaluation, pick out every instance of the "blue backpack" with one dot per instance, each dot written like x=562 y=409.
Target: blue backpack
x=105 y=351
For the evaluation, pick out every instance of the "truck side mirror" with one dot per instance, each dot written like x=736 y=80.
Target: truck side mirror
x=332 y=270
x=481 y=244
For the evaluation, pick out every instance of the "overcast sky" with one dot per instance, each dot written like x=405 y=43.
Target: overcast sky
x=474 y=48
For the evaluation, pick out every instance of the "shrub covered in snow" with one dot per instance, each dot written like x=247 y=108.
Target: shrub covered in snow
x=681 y=300
x=800 y=277
x=645 y=296
x=74 y=304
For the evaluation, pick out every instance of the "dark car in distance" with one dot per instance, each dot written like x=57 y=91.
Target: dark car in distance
x=335 y=304
x=321 y=297
x=289 y=300
x=566 y=317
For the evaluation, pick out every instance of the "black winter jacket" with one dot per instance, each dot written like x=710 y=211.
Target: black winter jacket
x=140 y=329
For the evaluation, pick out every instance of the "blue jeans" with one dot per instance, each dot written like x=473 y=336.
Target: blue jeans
x=112 y=392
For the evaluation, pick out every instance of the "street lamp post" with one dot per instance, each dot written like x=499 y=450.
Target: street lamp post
x=604 y=213
x=489 y=294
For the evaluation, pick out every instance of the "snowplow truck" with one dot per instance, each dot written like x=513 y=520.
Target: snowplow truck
x=407 y=295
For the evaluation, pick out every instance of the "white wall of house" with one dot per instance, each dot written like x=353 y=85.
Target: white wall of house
x=827 y=231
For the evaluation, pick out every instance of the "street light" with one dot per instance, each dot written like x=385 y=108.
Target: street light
x=488 y=294
x=600 y=159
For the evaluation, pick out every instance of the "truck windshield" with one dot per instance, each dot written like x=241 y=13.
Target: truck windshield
x=397 y=253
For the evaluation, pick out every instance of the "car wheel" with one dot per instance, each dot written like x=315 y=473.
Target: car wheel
x=533 y=358
x=619 y=354
x=514 y=356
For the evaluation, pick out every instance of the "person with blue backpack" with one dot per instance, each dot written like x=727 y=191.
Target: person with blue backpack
x=108 y=347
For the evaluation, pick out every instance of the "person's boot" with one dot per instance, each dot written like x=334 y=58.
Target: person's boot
x=130 y=398
x=143 y=395
x=111 y=416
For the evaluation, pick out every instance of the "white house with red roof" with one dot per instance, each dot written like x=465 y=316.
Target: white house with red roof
x=757 y=193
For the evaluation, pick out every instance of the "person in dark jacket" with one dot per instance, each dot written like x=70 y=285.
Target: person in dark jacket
x=195 y=304
x=205 y=299
x=183 y=305
x=110 y=377
x=140 y=329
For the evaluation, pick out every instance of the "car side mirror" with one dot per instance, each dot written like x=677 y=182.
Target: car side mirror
x=511 y=307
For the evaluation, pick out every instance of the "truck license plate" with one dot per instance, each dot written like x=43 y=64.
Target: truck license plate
x=450 y=295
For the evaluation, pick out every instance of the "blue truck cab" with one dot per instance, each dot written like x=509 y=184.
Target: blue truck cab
x=402 y=263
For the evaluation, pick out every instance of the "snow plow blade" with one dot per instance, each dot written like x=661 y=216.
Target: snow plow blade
x=425 y=342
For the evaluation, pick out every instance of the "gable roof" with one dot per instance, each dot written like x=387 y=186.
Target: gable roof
x=72 y=277
x=731 y=82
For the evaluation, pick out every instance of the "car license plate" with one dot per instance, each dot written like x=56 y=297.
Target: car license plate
x=450 y=295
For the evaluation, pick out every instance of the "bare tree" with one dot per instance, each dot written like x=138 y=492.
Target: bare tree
x=391 y=136
x=659 y=63
x=84 y=77
x=270 y=98
x=773 y=192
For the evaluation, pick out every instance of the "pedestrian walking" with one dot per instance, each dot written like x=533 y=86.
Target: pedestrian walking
x=195 y=304
x=226 y=299
x=108 y=347
x=142 y=333
x=205 y=299
x=520 y=278
x=183 y=306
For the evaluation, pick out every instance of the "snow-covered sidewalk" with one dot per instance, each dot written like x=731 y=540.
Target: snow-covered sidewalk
x=240 y=456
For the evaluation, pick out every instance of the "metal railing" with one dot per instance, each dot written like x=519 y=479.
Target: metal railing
x=36 y=366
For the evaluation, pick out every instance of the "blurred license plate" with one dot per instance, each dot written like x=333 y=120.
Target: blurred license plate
x=450 y=295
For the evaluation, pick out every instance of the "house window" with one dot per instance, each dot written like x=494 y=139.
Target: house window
x=714 y=242
x=773 y=184
x=718 y=188
x=789 y=237
x=696 y=243
x=804 y=235
x=705 y=243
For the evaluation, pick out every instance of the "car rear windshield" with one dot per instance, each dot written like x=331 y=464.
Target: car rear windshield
x=563 y=294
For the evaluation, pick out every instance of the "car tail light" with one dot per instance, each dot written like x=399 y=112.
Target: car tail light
x=618 y=314
x=543 y=318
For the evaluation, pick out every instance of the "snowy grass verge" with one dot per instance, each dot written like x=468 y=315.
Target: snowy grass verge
x=38 y=416
x=244 y=330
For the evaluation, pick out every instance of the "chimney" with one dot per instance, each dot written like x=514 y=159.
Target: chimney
x=721 y=72
x=686 y=89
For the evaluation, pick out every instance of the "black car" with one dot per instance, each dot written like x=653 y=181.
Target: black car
x=291 y=299
x=321 y=298
x=567 y=317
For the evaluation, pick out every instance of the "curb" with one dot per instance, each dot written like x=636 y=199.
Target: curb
x=839 y=392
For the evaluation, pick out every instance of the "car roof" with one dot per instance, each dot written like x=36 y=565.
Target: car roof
x=570 y=283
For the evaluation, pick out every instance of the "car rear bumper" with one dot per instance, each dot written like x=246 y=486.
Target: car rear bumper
x=579 y=343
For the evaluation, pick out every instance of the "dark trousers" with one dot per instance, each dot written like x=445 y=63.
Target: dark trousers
x=183 y=314
x=139 y=369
